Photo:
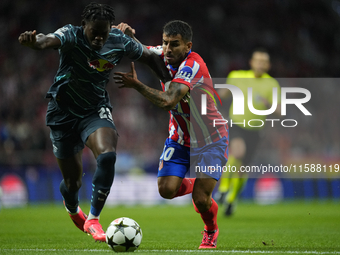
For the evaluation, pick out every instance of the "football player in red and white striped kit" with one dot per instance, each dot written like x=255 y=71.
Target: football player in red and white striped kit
x=193 y=139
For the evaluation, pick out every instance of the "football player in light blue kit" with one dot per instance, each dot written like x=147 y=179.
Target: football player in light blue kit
x=79 y=111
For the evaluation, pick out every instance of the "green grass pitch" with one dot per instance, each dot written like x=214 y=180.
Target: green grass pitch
x=287 y=228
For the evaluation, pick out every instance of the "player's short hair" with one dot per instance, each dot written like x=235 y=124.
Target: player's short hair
x=176 y=27
x=260 y=49
x=95 y=11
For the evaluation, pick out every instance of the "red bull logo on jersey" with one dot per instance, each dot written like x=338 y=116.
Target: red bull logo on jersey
x=101 y=65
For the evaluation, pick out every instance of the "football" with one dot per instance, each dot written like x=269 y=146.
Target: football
x=124 y=235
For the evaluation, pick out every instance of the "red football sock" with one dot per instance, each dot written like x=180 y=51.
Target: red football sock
x=186 y=187
x=209 y=217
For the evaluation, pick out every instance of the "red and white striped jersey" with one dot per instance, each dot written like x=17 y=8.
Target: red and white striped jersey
x=187 y=125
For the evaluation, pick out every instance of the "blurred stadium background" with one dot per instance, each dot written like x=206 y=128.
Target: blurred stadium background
x=303 y=38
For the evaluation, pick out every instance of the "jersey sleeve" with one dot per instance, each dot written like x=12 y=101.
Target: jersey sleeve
x=157 y=50
x=133 y=49
x=67 y=36
x=188 y=73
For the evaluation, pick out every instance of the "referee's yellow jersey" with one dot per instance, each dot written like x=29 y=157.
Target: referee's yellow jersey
x=262 y=94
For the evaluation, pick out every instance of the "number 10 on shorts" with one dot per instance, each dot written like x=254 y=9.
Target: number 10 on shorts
x=167 y=153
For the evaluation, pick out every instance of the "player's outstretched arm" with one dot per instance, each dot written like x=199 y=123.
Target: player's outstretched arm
x=156 y=64
x=39 y=41
x=148 y=57
x=166 y=100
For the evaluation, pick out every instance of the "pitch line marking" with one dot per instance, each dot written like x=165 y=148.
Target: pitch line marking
x=188 y=251
x=244 y=251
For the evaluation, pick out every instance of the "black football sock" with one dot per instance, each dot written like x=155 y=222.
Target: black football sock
x=71 y=198
x=102 y=181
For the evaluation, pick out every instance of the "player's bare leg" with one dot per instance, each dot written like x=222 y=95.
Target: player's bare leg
x=172 y=186
x=103 y=143
x=168 y=186
x=71 y=169
x=207 y=208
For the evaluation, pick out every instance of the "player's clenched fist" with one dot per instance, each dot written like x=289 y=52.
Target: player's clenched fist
x=126 y=29
x=28 y=38
x=39 y=41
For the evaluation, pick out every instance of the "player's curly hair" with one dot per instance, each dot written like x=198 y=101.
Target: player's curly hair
x=176 y=27
x=95 y=11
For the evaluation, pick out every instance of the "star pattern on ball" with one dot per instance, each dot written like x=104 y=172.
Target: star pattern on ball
x=120 y=227
x=124 y=234
x=128 y=243
x=110 y=241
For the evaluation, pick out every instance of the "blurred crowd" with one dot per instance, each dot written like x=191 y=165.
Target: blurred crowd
x=303 y=38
